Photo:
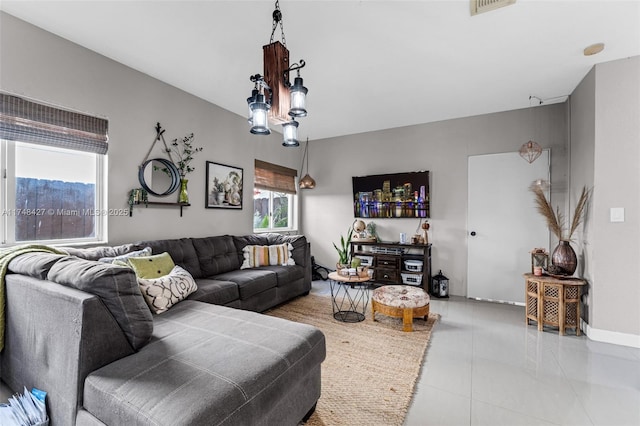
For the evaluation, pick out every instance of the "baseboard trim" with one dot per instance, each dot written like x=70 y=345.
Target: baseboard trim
x=614 y=337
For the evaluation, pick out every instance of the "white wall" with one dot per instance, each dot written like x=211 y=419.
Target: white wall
x=42 y=66
x=443 y=149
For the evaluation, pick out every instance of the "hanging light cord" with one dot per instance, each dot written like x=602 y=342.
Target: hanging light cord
x=304 y=156
x=277 y=19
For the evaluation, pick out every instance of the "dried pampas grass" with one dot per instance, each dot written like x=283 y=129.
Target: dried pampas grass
x=555 y=219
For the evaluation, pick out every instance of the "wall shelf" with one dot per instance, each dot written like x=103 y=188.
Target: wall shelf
x=158 y=203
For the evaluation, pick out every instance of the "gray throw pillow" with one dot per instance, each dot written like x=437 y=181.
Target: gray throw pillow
x=35 y=265
x=118 y=289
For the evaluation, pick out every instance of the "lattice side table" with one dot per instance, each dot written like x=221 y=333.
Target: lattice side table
x=553 y=301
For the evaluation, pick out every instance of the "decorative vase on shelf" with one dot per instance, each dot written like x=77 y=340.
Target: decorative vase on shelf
x=183 y=197
x=565 y=257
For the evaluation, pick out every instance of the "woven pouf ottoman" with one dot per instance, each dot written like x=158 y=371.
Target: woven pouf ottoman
x=401 y=301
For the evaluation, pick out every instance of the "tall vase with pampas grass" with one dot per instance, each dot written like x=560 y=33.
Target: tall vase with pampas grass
x=563 y=257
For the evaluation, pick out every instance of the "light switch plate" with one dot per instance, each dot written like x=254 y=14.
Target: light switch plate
x=616 y=214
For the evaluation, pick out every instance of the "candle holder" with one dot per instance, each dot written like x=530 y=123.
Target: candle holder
x=539 y=260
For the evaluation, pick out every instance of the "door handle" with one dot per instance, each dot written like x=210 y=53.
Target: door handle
x=473 y=233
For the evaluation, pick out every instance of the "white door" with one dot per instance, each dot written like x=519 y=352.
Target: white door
x=504 y=225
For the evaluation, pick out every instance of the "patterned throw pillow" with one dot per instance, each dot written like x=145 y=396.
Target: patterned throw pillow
x=123 y=258
x=277 y=254
x=152 y=266
x=164 y=292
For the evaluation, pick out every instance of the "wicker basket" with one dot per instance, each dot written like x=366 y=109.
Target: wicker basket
x=411 y=278
x=363 y=272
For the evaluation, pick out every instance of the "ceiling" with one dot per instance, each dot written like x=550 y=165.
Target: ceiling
x=371 y=65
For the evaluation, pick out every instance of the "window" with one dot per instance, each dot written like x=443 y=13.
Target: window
x=274 y=198
x=272 y=210
x=53 y=174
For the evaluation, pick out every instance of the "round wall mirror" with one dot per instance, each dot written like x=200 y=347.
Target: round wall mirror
x=159 y=177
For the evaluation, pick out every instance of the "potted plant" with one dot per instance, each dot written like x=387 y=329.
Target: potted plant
x=344 y=251
x=563 y=258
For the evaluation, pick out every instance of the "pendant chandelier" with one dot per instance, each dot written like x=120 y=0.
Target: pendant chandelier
x=273 y=98
x=531 y=150
x=307 y=182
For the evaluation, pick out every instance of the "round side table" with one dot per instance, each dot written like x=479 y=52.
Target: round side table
x=349 y=297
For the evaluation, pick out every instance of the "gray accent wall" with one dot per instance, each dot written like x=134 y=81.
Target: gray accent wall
x=443 y=149
x=605 y=155
x=39 y=65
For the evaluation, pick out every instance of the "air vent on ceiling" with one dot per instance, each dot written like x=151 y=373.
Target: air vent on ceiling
x=480 y=6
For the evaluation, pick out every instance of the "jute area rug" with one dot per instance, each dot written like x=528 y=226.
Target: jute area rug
x=371 y=367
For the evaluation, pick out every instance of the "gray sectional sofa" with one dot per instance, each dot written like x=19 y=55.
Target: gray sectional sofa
x=81 y=330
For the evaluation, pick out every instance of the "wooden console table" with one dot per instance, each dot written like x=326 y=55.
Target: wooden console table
x=388 y=261
x=553 y=301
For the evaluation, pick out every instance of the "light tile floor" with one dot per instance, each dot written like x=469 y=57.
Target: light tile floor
x=485 y=366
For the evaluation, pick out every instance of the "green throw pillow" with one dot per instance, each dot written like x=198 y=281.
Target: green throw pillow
x=155 y=266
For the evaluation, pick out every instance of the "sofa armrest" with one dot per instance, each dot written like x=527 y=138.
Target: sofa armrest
x=54 y=337
x=301 y=252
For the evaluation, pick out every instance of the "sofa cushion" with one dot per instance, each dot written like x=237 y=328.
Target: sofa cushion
x=95 y=253
x=207 y=365
x=181 y=251
x=216 y=255
x=124 y=257
x=215 y=291
x=287 y=274
x=276 y=254
x=35 y=265
x=154 y=266
x=163 y=292
x=250 y=281
x=118 y=289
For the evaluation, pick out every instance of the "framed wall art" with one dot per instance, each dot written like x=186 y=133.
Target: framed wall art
x=224 y=186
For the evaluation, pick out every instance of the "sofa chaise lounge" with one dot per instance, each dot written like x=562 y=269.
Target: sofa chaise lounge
x=80 y=329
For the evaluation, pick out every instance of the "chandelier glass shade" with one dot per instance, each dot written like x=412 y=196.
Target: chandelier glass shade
x=259 y=110
x=290 y=132
x=298 y=99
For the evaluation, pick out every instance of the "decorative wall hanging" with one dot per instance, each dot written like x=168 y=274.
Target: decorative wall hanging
x=159 y=176
x=224 y=186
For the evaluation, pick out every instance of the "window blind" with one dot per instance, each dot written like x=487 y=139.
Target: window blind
x=273 y=177
x=27 y=121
